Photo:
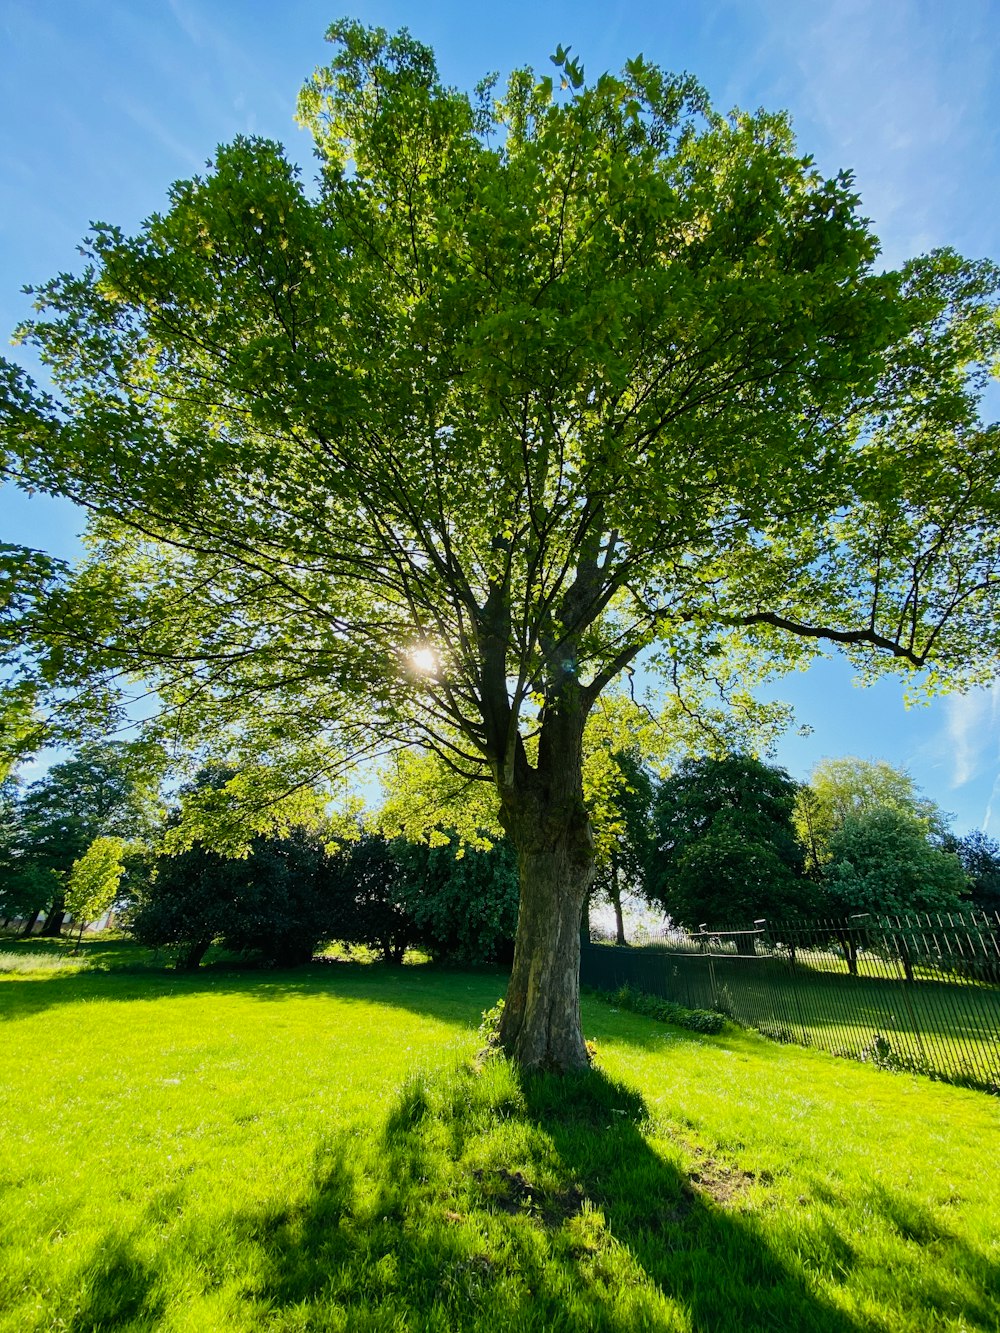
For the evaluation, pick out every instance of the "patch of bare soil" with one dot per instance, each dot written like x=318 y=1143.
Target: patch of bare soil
x=512 y=1192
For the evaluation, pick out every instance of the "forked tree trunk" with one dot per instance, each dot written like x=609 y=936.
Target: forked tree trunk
x=548 y=824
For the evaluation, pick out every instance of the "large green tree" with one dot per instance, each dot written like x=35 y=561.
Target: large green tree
x=725 y=851
x=849 y=788
x=433 y=451
x=882 y=862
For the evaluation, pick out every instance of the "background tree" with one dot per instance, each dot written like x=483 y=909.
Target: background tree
x=273 y=904
x=433 y=452
x=980 y=858
x=626 y=838
x=725 y=850
x=883 y=863
x=94 y=881
x=850 y=788
x=184 y=905
x=280 y=899
x=96 y=793
x=462 y=900
x=25 y=887
x=263 y=895
x=369 y=885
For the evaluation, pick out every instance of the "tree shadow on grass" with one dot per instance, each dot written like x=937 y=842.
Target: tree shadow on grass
x=117 y=1290
x=486 y=1200
x=427 y=989
x=493 y=1202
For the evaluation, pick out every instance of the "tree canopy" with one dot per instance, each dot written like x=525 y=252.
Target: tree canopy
x=881 y=862
x=851 y=788
x=94 y=880
x=527 y=386
x=980 y=858
x=725 y=850
x=93 y=794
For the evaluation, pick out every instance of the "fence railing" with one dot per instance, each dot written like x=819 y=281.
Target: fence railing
x=918 y=992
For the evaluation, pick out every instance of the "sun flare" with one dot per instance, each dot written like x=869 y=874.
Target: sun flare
x=423 y=660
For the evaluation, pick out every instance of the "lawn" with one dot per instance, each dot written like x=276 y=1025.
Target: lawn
x=318 y=1149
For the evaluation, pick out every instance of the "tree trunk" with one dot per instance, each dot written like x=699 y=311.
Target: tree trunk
x=905 y=956
x=54 y=921
x=29 y=925
x=547 y=822
x=850 y=947
x=190 y=959
x=615 y=894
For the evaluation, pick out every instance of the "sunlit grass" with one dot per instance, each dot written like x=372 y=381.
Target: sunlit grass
x=317 y=1149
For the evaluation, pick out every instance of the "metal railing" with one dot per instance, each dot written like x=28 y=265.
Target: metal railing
x=918 y=992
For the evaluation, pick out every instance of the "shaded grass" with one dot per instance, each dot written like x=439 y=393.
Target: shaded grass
x=96 y=952
x=317 y=1150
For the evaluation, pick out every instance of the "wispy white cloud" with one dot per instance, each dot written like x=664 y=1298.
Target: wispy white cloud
x=994 y=796
x=240 y=71
x=150 y=124
x=972 y=732
x=900 y=92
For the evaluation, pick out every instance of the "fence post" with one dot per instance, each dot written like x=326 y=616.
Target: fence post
x=792 y=933
x=703 y=932
x=904 y=979
x=854 y=938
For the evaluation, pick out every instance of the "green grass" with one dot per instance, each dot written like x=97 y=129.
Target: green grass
x=318 y=1150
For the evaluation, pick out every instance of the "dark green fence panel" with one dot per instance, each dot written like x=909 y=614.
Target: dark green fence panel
x=919 y=992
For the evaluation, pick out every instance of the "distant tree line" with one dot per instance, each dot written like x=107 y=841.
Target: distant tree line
x=735 y=840
x=721 y=841
x=290 y=895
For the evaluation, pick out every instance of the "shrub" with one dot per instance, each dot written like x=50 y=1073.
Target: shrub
x=667 y=1011
x=272 y=904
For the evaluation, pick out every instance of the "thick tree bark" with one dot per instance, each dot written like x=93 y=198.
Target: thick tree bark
x=29 y=925
x=548 y=824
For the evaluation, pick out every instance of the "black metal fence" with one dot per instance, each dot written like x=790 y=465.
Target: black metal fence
x=919 y=992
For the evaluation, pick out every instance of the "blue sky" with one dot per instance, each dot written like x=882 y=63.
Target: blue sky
x=103 y=104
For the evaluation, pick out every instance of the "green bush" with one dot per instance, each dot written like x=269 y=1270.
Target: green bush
x=272 y=905
x=489 y=1028
x=667 y=1011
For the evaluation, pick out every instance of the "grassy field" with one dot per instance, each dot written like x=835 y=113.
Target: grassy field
x=318 y=1149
